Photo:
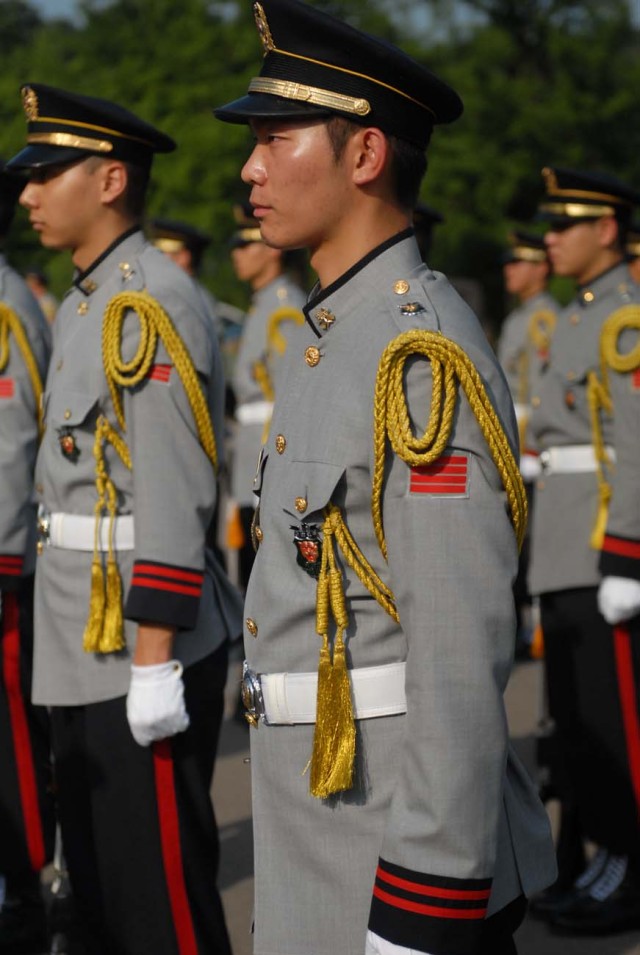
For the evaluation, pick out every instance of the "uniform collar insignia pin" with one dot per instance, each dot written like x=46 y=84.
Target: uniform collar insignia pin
x=325 y=318
x=309 y=546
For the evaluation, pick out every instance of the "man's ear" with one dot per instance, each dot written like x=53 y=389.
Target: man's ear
x=370 y=152
x=608 y=231
x=114 y=181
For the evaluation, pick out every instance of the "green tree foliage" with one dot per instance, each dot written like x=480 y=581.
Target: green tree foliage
x=543 y=81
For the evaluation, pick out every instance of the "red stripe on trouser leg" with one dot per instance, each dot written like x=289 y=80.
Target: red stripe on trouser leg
x=20 y=732
x=171 y=848
x=629 y=705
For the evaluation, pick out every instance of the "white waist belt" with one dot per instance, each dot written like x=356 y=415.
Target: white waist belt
x=288 y=698
x=254 y=412
x=77 y=532
x=572 y=459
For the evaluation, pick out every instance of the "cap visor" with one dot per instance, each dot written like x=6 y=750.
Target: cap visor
x=263 y=104
x=39 y=154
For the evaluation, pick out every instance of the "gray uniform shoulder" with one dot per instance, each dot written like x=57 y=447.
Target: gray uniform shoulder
x=16 y=295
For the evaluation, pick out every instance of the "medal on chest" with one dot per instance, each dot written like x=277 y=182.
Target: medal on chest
x=68 y=446
x=306 y=538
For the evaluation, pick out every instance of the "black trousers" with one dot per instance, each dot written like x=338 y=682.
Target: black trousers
x=27 y=823
x=593 y=680
x=498 y=930
x=138 y=827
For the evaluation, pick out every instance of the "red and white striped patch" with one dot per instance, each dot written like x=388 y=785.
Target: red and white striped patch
x=635 y=379
x=448 y=476
x=7 y=387
x=160 y=373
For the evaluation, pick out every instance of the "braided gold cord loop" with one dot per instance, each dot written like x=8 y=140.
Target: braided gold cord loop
x=11 y=324
x=154 y=322
x=542 y=325
x=449 y=364
x=263 y=378
x=276 y=342
x=599 y=399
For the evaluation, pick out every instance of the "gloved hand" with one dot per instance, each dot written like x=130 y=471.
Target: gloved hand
x=155 y=702
x=619 y=598
x=530 y=467
x=380 y=946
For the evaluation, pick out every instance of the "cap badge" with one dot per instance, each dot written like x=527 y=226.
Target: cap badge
x=263 y=28
x=309 y=547
x=30 y=103
x=550 y=179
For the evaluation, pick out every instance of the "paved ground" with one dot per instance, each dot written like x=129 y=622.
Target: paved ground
x=231 y=792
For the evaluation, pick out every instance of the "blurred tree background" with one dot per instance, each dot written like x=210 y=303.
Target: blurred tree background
x=543 y=82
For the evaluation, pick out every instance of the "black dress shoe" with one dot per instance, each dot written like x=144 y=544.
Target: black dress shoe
x=585 y=915
x=546 y=905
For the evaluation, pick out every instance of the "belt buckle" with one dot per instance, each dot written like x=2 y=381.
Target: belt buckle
x=43 y=527
x=545 y=461
x=251 y=693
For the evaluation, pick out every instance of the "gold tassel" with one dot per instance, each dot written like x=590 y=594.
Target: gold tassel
x=334 y=740
x=600 y=526
x=113 y=625
x=93 y=630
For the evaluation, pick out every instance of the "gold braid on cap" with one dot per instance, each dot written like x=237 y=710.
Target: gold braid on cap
x=30 y=103
x=104 y=632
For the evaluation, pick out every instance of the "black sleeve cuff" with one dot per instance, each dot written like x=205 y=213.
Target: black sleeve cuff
x=164 y=594
x=428 y=912
x=620 y=557
x=10 y=571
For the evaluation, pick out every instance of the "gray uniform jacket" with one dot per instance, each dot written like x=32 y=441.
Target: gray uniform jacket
x=521 y=360
x=567 y=503
x=248 y=434
x=441 y=809
x=19 y=431
x=169 y=577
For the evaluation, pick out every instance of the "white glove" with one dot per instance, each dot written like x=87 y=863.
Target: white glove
x=530 y=467
x=380 y=946
x=155 y=702
x=618 y=599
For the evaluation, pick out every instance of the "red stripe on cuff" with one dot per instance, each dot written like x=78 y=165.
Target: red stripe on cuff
x=433 y=910
x=171 y=847
x=418 y=888
x=20 y=733
x=624 y=548
x=194 y=577
x=628 y=705
x=151 y=582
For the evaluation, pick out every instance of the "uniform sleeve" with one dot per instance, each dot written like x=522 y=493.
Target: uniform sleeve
x=452 y=558
x=174 y=492
x=18 y=449
x=620 y=554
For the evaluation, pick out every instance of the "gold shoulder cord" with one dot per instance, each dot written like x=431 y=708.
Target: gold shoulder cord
x=599 y=398
x=276 y=342
x=104 y=632
x=542 y=325
x=11 y=324
x=334 y=738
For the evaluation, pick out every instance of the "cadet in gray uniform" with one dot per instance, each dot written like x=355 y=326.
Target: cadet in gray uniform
x=276 y=309
x=26 y=801
x=126 y=483
x=586 y=540
x=632 y=250
x=379 y=616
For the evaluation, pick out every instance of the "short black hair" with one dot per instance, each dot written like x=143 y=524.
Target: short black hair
x=408 y=161
x=137 y=184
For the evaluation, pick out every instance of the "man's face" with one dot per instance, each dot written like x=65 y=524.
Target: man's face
x=574 y=250
x=250 y=261
x=523 y=278
x=62 y=202
x=299 y=192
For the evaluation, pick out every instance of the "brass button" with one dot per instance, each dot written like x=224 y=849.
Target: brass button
x=252 y=627
x=281 y=443
x=83 y=308
x=401 y=287
x=588 y=296
x=67 y=414
x=535 y=402
x=571 y=376
x=59 y=365
x=39 y=548
x=301 y=504
x=258 y=532
x=312 y=356
x=39 y=489
x=575 y=319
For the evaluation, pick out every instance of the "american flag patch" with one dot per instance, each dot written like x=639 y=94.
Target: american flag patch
x=449 y=475
x=160 y=373
x=635 y=379
x=7 y=387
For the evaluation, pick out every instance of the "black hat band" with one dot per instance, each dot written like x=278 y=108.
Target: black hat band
x=287 y=89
